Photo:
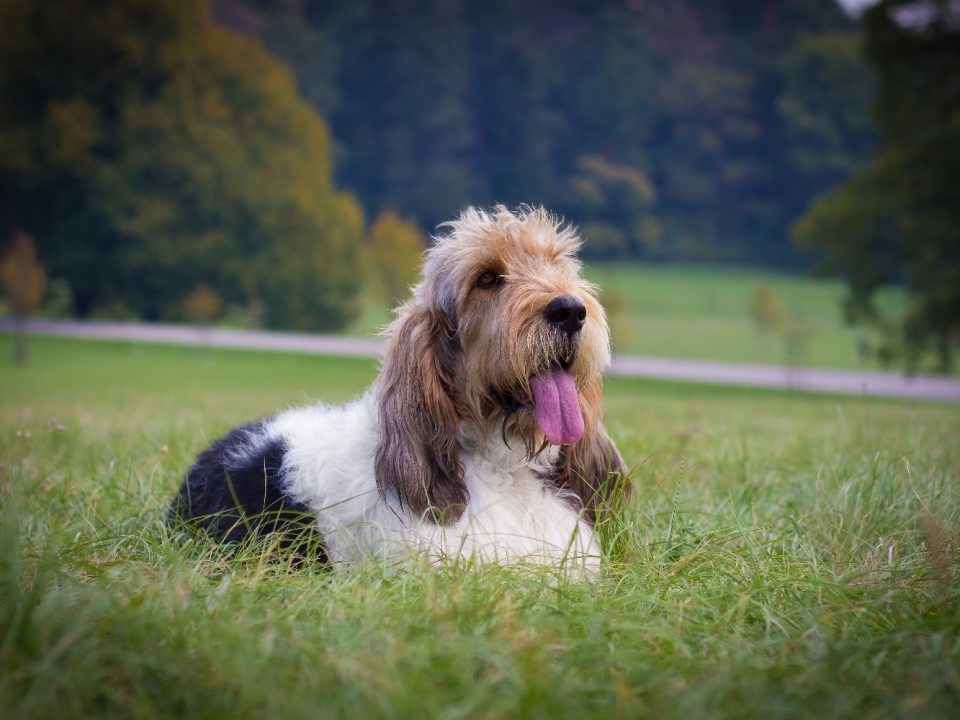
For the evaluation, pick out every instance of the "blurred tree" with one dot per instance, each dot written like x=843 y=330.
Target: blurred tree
x=824 y=107
x=203 y=305
x=898 y=221
x=58 y=302
x=825 y=101
x=23 y=280
x=614 y=202
x=405 y=124
x=302 y=285
x=395 y=249
x=148 y=149
x=725 y=106
x=618 y=316
x=765 y=308
x=796 y=337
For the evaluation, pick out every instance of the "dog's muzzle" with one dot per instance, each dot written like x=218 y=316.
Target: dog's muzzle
x=567 y=314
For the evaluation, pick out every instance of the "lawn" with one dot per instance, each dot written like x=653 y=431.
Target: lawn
x=782 y=556
x=703 y=313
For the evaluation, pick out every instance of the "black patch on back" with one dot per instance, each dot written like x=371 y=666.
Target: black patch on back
x=234 y=489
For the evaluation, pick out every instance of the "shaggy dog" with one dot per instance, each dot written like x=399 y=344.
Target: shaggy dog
x=481 y=437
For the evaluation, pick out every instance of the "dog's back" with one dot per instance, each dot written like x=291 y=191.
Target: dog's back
x=235 y=489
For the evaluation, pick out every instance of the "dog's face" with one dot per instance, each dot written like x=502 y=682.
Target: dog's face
x=501 y=333
x=532 y=337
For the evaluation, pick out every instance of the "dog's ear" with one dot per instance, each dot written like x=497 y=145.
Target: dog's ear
x=419 y=420
x=592 y=467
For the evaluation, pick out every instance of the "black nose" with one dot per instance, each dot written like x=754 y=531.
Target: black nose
x=566 y=313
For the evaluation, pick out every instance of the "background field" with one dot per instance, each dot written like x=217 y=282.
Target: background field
x=783 y=556
x=703 y=313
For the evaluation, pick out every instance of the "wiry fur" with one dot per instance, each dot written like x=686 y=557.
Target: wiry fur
x=444 y=455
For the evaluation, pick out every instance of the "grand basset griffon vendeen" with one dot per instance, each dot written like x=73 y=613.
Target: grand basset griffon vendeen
x=480 y=439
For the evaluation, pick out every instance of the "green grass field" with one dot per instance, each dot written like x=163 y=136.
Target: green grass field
x=703 y=313
x=783 y=556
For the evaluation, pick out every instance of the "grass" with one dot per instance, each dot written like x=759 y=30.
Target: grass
x=783 y=556
x=702 y=313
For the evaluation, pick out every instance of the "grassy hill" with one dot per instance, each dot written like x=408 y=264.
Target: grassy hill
x=782 y=556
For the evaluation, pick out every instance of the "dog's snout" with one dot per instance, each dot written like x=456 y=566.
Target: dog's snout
x=566 y=313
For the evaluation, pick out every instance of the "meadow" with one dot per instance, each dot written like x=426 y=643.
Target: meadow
x=703 y=313
x=782 y=556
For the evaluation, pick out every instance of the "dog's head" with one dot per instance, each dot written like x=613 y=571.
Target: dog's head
x=501 y=332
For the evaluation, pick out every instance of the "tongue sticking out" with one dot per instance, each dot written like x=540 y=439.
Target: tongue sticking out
x=557 y=406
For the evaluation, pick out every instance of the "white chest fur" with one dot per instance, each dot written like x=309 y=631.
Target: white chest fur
x=511 y=515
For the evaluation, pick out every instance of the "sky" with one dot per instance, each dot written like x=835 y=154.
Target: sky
x=855 y=6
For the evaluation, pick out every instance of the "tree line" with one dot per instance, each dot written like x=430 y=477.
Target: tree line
x=169 y=156
x=666 y=129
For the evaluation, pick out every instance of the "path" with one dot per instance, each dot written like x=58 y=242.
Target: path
x=848 y=382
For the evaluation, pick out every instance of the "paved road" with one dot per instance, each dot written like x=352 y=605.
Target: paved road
x=848 y=382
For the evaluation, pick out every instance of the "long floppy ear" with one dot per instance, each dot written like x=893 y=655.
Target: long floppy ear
x=592 y=468
x=419 y=422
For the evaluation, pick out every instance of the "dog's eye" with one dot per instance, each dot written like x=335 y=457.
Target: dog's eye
x=489 y=279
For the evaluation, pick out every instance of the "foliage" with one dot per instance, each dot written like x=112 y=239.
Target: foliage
x=615 y=204
x=824 y=105
x=765 y=307
x=617 y=311
x=896 y=222
x=22 y=277
x=149 y=150
x=203 y=305
x=394 y=248
x=733 y=117
x=777 y=561
x=58 y=302
x=23 y=281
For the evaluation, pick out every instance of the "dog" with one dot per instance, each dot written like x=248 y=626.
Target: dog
x=481 y=438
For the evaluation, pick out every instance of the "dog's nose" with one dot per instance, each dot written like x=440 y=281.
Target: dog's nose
x=566 y=313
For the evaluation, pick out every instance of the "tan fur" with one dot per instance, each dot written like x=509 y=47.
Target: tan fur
x=456 y=350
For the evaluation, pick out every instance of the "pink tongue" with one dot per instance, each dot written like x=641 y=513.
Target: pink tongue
x=557 y=406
